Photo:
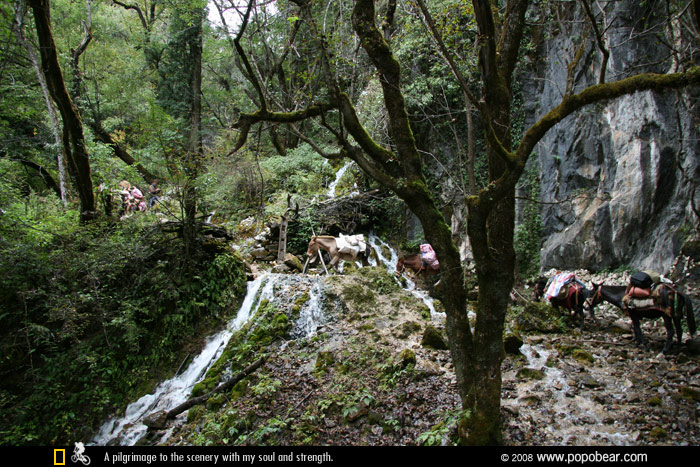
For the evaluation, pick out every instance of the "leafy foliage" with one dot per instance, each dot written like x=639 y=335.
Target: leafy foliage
x=93 y=316
x=528 y=233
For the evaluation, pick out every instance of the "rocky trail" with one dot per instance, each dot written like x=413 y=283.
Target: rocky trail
x=598 y=388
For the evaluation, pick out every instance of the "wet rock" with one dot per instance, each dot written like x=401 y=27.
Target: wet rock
x=588 y=381
x=512 y=344
x=156 y=421
x=530 y=374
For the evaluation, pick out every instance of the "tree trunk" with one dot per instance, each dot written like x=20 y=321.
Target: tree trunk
x=73 y=125
x=194 y=156
x=55 y=124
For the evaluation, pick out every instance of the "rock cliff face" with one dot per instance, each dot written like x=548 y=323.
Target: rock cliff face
x=619 y=175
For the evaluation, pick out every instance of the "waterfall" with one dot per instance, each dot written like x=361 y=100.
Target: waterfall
x=282 y=290
x=338 y=176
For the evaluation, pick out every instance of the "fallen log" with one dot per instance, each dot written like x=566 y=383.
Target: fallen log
x=158 y=420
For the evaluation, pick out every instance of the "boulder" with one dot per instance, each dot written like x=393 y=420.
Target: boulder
x=293 y=262
x=433 y=339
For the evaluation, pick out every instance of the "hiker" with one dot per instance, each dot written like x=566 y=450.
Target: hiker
x=153 y=191
x=125 y=195
x=137 y=200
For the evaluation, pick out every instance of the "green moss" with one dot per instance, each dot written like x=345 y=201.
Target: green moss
x=407 y=357
x=582 y=356
x=360 y=296
x=379 y=279
x=537 y=317
x=324 y=361
x=239 y=390
x=578 y=354
x=531 y=374
x=195 y=413
x=654 y=401
x=216 y=401
x=299 y=304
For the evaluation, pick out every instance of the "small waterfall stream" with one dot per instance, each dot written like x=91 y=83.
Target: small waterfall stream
x=574 y=419
x=280 y=289
x=339 y=174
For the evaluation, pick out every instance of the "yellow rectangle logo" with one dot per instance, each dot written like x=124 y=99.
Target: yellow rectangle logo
x=59 y=457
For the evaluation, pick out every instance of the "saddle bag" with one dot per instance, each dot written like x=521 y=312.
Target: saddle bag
x=428 y=255
x=638 y=292
x=641 y=279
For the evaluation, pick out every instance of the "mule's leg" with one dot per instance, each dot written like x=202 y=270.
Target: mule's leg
x=334 y=263
x=668 y=324
x=591 y=313
x=638 y=336
x=579 y=312
x=677 y=322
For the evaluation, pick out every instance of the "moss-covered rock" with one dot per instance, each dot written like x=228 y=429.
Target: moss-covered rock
x=530 y=374
x=654 y=401
x=407 y=357
x=537 y=317
x=433 y=339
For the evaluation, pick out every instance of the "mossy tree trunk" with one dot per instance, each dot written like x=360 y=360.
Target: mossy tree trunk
x=74 y=138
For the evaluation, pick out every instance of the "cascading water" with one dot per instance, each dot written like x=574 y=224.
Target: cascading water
x=573 y=419
x=338 y=176
x=380 y=247
x=278 y=288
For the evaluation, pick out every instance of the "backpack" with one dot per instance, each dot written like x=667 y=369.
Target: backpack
x=641 y=279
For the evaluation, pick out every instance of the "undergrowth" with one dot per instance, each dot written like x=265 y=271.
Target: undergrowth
x=92 y=316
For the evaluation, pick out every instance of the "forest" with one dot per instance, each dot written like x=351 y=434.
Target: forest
x=155 y=153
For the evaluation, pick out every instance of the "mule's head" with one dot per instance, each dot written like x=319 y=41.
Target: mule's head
x=312 y=249
x=594 y=297
x=400 y=267
x=540 y=285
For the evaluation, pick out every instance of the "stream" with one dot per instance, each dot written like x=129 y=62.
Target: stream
x=281 y=289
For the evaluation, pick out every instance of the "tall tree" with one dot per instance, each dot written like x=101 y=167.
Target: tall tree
x=180 y=93
x=477 y=355
x=74 y=137
x=18 y=27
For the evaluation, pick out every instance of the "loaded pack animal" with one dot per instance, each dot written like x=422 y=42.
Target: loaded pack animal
x=416 y=264
x=424 y=264
x=669 y=304
x=573 y=298
x=330 y=244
